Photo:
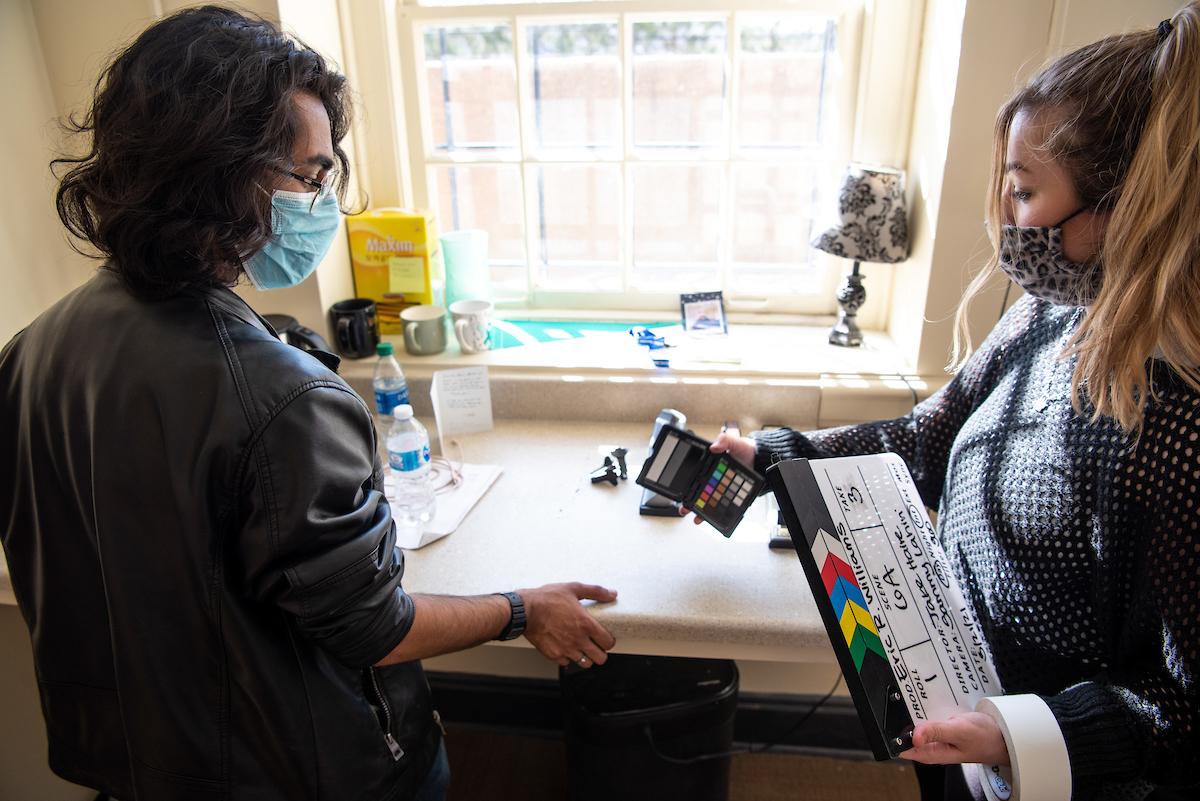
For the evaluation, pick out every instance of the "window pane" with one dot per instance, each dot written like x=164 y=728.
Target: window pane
x=773 y=224
x=471 y=78
x=487 y=197
x=678 y=83
x=579 y=219
x=676 y=226
x=785 y=82
x=575 y=83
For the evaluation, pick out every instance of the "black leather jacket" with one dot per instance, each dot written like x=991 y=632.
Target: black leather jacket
x=193 y=520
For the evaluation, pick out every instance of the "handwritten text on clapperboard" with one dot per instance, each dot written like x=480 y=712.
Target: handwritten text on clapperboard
x=938 y=655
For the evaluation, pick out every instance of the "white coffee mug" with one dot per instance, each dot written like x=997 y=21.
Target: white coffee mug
x=472 y=324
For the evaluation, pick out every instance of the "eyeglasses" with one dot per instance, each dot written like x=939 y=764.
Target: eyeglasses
x=322 y=188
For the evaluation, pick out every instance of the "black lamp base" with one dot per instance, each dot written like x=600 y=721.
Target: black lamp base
x=845 y=333
x=851 y=295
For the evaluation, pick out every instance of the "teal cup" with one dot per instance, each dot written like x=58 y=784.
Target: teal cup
x=464 y=253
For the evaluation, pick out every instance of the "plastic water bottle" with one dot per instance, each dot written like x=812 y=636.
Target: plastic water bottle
x=391 y=390
x=408 y=455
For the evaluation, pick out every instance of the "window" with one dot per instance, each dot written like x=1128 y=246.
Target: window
x=617 y=159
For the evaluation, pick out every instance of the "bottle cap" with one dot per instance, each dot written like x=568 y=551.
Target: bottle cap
x=402 y=412
x=384 y=349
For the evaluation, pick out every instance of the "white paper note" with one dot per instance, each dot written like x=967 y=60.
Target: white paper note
x=462 y=402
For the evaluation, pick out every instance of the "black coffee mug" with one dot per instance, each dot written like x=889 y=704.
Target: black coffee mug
x=354 y=327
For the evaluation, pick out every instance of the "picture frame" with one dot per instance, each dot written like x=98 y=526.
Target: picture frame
x=703 y=313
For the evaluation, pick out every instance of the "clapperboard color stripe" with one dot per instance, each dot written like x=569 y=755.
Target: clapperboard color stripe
x=849 y=605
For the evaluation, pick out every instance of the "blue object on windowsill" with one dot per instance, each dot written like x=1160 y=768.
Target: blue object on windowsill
x=648 y=338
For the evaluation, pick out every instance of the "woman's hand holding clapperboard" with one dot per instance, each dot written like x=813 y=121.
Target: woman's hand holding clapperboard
x=967 y=737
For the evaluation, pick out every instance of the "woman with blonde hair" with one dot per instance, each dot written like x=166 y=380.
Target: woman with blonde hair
x=1064 y=456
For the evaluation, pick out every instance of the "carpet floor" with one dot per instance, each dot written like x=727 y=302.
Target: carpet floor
x=488 y=766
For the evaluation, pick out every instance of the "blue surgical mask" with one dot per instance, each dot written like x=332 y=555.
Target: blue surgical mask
x=302 y=238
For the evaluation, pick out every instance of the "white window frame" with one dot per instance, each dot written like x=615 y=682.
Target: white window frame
x=868 y=46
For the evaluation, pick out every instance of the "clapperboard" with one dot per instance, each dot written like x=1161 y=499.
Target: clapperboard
x=908 y=645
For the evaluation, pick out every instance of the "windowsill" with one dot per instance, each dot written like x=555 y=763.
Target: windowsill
x=766 y=374
x=738 y=313
x=757 y=352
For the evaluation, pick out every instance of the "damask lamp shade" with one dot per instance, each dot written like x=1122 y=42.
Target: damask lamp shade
x=872 y=226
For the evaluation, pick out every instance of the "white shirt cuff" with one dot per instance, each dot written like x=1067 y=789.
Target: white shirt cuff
x=1040 y=766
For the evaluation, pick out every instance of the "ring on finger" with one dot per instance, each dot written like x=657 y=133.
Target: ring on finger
x=583 y=661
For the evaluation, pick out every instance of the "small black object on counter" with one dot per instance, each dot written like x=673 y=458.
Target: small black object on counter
x=606 y=472
x=620 y=454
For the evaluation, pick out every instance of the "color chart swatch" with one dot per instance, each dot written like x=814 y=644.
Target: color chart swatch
x=725 y=486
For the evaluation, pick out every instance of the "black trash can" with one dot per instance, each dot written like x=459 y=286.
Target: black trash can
x=650 y=727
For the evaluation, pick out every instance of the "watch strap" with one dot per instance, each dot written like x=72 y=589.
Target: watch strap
x=516 y=623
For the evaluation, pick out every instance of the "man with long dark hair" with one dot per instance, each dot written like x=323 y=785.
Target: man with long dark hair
x=192 y=510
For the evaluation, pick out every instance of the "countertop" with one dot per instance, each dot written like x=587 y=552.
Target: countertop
x=684 y=590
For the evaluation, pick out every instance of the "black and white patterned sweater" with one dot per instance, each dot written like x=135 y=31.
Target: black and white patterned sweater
x=1077 y=545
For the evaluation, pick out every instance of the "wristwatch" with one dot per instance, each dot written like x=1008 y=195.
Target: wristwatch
x=516 y=624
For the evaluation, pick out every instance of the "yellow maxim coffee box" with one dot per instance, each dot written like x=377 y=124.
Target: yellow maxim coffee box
x=397 y=261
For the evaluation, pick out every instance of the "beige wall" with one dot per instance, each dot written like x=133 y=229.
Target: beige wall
x=80 y=37
x=1078 y=22
x=36 y=266
x=990 y=45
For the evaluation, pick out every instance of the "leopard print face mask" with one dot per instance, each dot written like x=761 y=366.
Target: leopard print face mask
x=1034 y=260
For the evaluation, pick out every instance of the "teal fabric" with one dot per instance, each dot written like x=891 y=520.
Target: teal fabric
x=540 y=330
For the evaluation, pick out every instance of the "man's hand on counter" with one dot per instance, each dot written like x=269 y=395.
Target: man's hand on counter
x=560 y=627
x=557 y=624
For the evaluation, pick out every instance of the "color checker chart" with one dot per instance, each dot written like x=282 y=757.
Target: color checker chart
x=725 y=486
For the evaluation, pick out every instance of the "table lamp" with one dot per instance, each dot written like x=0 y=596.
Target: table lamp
x=872 y=227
